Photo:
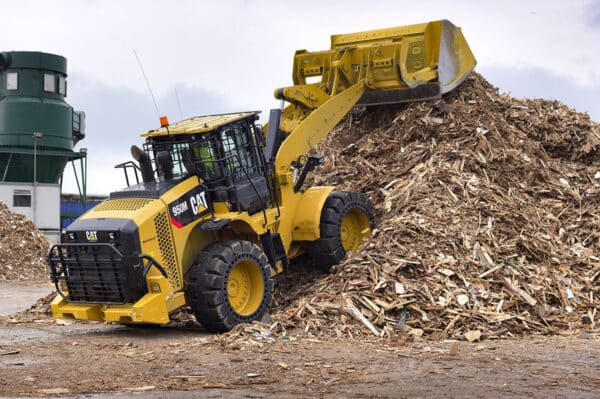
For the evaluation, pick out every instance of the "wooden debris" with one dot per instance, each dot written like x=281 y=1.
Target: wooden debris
x=23 y=248
x=454 y=349
x=473 y=335
x=354 y=312
x=488 y=221
x=219 y=385
x=283 y=365
x=54 y=391
x=187 y=377
x=526 y=297
x=9 y=352
x=138 y=389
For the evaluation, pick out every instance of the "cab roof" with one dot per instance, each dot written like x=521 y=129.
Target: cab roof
x=199 y=124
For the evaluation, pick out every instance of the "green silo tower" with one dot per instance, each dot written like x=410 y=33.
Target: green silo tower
x=33 y=88
x=38 y=131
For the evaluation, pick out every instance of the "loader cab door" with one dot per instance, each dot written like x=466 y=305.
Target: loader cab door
x=240 y=151
x=230 y=163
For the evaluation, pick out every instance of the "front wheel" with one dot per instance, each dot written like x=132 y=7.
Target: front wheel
x=229 y=283
x=346 y=222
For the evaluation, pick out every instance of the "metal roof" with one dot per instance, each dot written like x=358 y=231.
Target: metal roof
x=199 y=124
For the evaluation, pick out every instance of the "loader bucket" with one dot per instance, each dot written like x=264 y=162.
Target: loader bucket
x=402 y=64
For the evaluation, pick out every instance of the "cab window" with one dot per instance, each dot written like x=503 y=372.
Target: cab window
x=200 y=156
x=240 y=151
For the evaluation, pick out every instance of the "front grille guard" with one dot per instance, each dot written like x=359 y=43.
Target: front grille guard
x=98 y=273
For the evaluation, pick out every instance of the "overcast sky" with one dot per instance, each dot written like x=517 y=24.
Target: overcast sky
x=229 y=56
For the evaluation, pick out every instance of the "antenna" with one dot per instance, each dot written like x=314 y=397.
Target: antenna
x=178 y=105
x=147 y=83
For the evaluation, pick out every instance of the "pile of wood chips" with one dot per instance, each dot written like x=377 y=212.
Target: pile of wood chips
x=23 y=248
x=488 y=221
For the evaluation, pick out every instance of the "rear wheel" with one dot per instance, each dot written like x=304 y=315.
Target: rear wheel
x=228 y=284
x=346 y=221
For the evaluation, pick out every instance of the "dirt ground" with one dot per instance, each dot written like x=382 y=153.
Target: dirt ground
x=19 y=295
x=72 y=359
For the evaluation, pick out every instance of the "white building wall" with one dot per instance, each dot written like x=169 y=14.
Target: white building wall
x=44 y=208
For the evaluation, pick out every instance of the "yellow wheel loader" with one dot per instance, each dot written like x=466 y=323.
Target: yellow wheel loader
x=221 y=206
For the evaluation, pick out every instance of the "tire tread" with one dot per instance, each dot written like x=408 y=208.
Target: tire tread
x=328 y=249
x=206 y=284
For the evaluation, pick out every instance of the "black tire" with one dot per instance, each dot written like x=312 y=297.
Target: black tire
x=331 y=247
x=215 y=295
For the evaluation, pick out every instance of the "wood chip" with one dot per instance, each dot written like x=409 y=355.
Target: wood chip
x=473 y=335
x=454 y=349
x=354 y=312
x=54 y=391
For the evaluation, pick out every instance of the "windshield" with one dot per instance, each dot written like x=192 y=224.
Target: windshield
x=186 y=152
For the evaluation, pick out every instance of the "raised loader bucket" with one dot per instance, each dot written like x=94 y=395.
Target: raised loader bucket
x=407 y=63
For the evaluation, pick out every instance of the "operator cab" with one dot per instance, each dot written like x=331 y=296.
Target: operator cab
x=224 y=151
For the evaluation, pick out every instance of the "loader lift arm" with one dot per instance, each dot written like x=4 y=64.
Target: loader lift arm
x=312 y=125
x=394 y=65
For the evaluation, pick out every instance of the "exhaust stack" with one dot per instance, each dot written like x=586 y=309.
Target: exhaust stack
x=145 y=164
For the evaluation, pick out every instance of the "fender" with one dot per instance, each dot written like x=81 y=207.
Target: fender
x=307 y=218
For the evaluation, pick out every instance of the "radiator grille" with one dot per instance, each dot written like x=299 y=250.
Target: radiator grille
x=165 y=244
x=96 y=273
x=125 y=204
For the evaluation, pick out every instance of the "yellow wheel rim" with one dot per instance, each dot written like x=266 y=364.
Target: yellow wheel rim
x=354 y=230
x=245 y=287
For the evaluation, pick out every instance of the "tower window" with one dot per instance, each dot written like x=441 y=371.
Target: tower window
x=49 y=82
x=62 y=85
x=12 y=81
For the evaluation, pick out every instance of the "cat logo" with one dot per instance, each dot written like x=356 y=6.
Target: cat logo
x=198 y=202
x=91 y=235
x=189 y=207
